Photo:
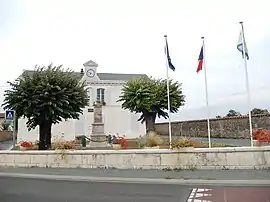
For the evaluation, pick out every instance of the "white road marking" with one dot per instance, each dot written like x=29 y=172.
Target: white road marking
x=194 y=195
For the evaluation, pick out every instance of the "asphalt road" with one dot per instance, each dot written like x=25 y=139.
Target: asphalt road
x=230 y=194
x=33 y=190
x=154 y=174
x=5 y=145
x=41 y=190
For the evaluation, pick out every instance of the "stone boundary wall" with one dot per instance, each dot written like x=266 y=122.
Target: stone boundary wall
x=229 y=127
x=186 y=158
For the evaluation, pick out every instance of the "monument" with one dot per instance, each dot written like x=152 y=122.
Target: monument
x=98 y=137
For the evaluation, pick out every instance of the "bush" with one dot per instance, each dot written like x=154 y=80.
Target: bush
x=183 y=142
x=5 y=126
x=141 y=141
x=63 y=145
x=26 y=144
x=153 y=139
x=261 y=135
x=122 y=141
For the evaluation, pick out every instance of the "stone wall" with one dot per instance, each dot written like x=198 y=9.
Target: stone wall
x=186 y=158
x=234 y=127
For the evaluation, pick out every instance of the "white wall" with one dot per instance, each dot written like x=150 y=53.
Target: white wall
x=24 y=134
x=83 y=126
x=118 y=120
x=64 y=130
x=111 y=94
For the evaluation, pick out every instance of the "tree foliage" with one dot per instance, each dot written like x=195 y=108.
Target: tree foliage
x=148 y=96
x=46 y=97
x=258 y=111
x=232 y=113
x=254 y=111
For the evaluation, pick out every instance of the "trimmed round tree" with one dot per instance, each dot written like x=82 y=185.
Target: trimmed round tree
x=148 y=96
x=46 y=96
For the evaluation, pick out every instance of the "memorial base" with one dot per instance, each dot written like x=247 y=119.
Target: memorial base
x=98 y=142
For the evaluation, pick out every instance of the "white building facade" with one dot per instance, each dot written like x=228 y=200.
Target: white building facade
x=105 y=88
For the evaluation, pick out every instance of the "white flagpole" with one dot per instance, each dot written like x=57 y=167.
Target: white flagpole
x=247 y=84
x=168 y=96
x=206 y=96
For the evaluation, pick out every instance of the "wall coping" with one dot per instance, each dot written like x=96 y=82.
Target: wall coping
x=142 y=151
x=214 y=119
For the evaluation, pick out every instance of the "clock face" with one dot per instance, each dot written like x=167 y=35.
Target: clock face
x=90 y=73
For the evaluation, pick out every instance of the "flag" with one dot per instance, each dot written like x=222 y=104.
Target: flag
x=200 y=60
x=240 y=45
x=168 y=56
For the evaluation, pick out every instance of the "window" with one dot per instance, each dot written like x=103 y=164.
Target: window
x=89 y=91
x=100 y=94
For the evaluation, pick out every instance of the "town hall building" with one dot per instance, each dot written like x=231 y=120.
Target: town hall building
x=104 y=88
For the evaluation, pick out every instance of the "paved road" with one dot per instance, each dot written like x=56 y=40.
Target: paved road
x=5 y=145
x=31 y=190
x=230 y=194
x=156 y=174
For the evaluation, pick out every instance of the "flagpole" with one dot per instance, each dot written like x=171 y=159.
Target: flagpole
x=168 y=100
x=206 y=96
x=247 y=84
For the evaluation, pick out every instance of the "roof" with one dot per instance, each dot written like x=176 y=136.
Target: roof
x=104 y=76
x=121 y=77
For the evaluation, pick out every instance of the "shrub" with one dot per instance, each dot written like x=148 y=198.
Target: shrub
x=5 y=126
x=141 y=141
x=122 y=141
x=63 y=145
x=153 y=139
x=261 y=135
x=183 y=142
x=26 y=144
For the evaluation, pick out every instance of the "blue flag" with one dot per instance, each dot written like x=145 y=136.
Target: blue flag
x=240 y=43
x=168 y=55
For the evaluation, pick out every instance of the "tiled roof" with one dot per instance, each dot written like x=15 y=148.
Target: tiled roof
x=121 y=77
x=103 y=76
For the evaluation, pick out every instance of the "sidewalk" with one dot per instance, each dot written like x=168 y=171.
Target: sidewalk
x=212 y=175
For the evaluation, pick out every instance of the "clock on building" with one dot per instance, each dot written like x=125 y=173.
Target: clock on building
x=90 y=73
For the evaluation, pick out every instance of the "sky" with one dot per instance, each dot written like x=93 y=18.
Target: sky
x=128 y=37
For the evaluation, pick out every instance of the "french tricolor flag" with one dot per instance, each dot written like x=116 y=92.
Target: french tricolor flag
x=200 y=60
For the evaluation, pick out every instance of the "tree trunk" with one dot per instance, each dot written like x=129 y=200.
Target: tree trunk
x=150 y=118
x=45 y=135
x=48 y=138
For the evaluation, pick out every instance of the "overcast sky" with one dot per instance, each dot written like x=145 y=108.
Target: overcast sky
x=127 y=37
